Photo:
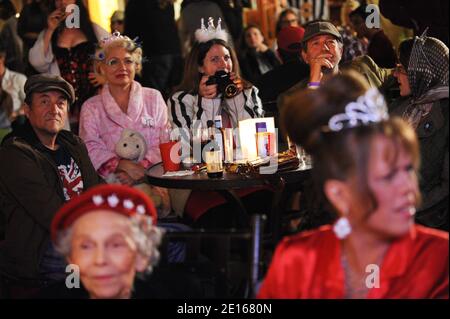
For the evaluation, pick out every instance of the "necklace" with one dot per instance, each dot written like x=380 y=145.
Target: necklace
x=354 y=284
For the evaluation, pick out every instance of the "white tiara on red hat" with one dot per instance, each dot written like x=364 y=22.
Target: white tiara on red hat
x=368 y=108
x=206 y=34
x=113 y=200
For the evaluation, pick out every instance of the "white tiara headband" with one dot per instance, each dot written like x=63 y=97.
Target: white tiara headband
x=368 y=108
x=116 y=36
x=112 y=38
x=205 y=34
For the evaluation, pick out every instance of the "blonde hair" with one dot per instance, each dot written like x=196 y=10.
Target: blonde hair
x=123 y=42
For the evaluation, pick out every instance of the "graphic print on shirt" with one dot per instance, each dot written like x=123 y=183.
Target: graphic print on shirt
x=71 y=178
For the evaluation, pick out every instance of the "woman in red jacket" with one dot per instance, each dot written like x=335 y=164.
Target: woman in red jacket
x=365 y=167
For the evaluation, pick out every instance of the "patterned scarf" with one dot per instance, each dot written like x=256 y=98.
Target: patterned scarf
x=427 y=76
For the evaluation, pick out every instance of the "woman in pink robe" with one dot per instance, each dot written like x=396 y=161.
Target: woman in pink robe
x=122 y=104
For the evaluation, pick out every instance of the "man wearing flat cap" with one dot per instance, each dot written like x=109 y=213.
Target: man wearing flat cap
x=42 y=167
x=322 y=48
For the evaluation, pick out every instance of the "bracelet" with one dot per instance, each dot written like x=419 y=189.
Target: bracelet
x=314 y=84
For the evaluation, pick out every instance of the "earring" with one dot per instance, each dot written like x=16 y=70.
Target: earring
x=342 y=227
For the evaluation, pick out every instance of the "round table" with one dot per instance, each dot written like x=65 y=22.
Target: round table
x=226 y=186
x=230 y=182
x=201 y=181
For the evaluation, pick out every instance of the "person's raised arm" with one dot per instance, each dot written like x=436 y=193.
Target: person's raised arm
x=53 y=21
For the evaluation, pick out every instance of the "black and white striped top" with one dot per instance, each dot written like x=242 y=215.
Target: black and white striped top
x=185 y=108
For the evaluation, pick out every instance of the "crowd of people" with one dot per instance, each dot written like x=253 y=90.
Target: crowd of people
x=373 y=116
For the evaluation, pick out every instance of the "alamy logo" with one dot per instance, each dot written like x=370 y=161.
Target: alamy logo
x=373 y=19
x=373 y=277
x=73 y=19
x=73 y=277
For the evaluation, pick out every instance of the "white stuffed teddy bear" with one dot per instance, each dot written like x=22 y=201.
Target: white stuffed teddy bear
x=132 y=146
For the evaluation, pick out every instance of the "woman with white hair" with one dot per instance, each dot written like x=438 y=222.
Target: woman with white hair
x=108 y=236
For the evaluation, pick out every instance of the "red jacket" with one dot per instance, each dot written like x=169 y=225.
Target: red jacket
x=308 y=265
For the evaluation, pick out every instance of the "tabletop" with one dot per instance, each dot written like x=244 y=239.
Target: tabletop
x=201 y=181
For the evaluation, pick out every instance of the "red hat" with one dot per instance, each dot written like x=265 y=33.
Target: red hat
x=117 y=198
x=290 y=38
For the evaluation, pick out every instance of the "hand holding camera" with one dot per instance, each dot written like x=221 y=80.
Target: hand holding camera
x=205 y=90
x=227 y=84
x=237 y=81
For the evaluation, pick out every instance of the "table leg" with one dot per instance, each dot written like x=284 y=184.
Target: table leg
x=233 y=198
x=275 y=214
x=224 y=246
x=256 y=254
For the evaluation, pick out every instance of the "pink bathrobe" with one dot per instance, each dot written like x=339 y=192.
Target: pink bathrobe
x=102 y=122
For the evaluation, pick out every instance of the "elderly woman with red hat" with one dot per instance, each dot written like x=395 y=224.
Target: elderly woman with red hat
x=108 y=234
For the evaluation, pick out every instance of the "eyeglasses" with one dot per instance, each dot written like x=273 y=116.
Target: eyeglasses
x=399 y=69
x=114 y=63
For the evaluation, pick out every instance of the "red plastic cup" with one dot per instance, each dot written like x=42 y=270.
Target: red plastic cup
x=170 y=155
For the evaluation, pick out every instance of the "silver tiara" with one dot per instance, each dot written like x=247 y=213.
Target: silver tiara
x=368 y=108
x=205 y=34
x=115 y=36
x=107 y=41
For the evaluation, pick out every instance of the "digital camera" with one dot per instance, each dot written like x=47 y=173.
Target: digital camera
x=224 y=84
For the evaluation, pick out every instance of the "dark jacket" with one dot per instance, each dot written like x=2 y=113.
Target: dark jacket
x=433 y=135
x=31 y=192
x=375 y=76
x=279 y=80
x=250 y=60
